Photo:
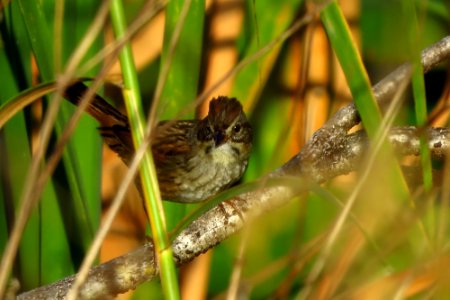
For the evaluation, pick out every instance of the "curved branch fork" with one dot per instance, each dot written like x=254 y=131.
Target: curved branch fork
x=329 y=153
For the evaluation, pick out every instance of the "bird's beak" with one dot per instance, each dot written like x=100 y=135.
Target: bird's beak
x=220 y=138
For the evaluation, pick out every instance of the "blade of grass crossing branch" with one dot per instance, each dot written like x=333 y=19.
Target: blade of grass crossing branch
x=340 y=37
x=418 y=85
x=181 y=54
x=414 y=36
x=148 y=174
x=351 y=63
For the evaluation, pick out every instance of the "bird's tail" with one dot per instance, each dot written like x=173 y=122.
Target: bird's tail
x=101 y=110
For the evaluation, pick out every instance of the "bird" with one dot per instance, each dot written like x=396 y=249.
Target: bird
x=194 y=159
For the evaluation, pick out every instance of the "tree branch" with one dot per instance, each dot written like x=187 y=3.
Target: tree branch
x=329 y=153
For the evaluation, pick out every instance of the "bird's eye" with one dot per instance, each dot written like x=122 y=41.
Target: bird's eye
x=237 y=128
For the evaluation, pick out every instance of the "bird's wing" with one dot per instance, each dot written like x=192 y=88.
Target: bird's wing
x=173 y=143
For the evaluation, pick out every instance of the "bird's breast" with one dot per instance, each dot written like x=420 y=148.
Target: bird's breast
x=211 y=172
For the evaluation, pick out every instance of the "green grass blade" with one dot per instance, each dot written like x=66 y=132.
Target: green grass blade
x=350 y=60
x=51 y=236
x=418 y=85
x=32 y=268
x=357 y=78
x=82 y=156
x=150 y=187
x=272 y=18
x=181 y=85
x=358 y=81
x=266 y=21
x=15 y=157
x=85 y=143
x=40 y=38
